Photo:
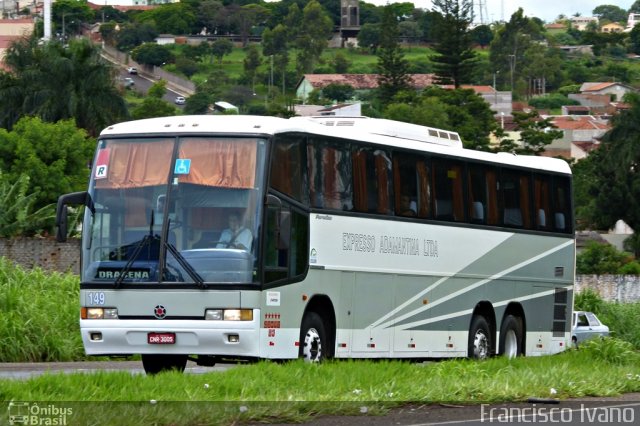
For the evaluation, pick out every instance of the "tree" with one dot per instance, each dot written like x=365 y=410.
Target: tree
x=186 y=66
x=251 y=63
x=507 y=50
x=312 y=33
x=338 y=92
x=152 y=54
x=220 y=48
x=246 y=17
x=635 y=7
x=17 y=215
x=171 y=18
x=610 y=13
x=634 y=39
x=617 y=170
x=392 y=66
x=482 y=35
x=57 y=83
x=340 y=63
x=55 y=155
x=454 y=58
x=369 y=36
x=535 y=134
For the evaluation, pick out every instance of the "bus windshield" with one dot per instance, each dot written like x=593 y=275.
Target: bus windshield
x=174 y=210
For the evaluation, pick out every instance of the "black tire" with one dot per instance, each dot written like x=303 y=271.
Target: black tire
x=480 y=340
x=313 y=339
x=511 y=334
x=154 y=364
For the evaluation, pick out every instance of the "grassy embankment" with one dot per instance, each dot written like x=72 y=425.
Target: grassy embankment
x=38 y=322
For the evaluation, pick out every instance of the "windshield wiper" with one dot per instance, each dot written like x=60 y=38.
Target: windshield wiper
x=183 y=262
x=146 y=240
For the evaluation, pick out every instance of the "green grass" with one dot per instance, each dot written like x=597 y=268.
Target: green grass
x=294 y=391
x=39 y=314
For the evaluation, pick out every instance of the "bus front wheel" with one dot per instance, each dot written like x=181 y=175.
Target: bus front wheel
x=511 y=337
x=480 y=340
x=313 y=338
x=154 y=364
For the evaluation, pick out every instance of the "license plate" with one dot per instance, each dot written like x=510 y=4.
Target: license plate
x=161 y=338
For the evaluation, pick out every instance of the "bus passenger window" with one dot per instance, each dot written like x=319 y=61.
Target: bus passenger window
x=449 y=203
x=330 y=175
x=541 y=201
x=411 y=187
x=561 y=205
x=511 y=209
x=371 y=175
x=287 y=167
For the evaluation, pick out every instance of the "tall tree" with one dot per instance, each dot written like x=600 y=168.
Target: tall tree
x=54 y=82
x=507 y=50
x=616 y=184
x=611 y=13
x=393 y=68
x=454 y=58
x=312 y=33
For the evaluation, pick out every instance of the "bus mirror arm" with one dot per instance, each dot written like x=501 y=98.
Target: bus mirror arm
x=74 y=198
x=273 y=201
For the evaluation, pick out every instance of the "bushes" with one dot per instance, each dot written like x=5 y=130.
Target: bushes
x=599 y=259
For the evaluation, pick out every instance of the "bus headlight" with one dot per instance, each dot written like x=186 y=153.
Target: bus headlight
x=229 y=314
x=99 y=313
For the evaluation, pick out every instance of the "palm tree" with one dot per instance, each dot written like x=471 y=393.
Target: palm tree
x=56 y=82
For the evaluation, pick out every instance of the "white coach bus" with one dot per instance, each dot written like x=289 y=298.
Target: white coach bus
x=225 y=238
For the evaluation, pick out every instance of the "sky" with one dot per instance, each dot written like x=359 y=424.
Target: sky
x=547 y=10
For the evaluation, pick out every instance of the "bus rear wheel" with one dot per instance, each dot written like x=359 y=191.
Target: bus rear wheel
x=511 y=337
x=313 y=338
x=480 y=340
x=154 y=364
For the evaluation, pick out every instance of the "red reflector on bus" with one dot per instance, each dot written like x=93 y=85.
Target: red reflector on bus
x=342 y=345
x=450 y=345
x=371 y=345
x=412 y=345
x=271 y=344
x=296 y=344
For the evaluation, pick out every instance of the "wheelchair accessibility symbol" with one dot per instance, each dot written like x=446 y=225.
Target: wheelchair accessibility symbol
x=183 y=166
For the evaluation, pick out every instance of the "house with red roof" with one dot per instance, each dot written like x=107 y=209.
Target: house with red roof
x=581 y=134
x=615 y=90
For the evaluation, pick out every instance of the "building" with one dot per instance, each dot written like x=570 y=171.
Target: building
x=634 y=18
x=581 y=134
x=612 y=28
x=12 y=30
x=342 y=110
x=615 y=90
x=362 y=83
x=581 y=22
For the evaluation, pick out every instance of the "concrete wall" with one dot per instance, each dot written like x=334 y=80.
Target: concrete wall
x=613 y=288
x=45 y=253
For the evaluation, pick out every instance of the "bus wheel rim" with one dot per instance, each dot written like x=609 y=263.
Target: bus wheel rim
x=510 y=344
x=481 y=345
x=312 y=350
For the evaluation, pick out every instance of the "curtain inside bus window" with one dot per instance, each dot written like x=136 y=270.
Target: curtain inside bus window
x=541 y=202
x=383 y=175
x=329 y=168
x=226 y=163
x=287 y=174
x=455 y=175
x=360 y=202
x=424 y=189
x=449 y=203
x=492 y=197
x=136 y=164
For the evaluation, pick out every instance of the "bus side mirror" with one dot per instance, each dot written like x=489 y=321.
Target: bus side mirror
x=74 y=198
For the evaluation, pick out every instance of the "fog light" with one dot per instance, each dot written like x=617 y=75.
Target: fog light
x=234 y=338
x=213 y=314
x=95 y=336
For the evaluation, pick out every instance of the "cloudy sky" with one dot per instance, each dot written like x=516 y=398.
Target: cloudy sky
x=547 y=10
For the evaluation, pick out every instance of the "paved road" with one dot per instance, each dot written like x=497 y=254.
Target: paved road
x=143 y=83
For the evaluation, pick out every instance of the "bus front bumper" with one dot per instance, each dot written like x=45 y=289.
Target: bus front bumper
x=192 y=337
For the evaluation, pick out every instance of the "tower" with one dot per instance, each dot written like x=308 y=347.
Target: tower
x=349 y=19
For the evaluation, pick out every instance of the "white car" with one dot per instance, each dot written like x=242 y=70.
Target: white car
x=180 y=100
x=132 y=70
x=586 y=325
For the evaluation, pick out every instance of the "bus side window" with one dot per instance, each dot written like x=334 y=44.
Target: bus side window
x=541 y=201
x=288 y=172
x=561 y=204
x=449 y=202
x=477 y=194
x=371 y=176
x=287 y=243
x=412 y=190
x=330 y=175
